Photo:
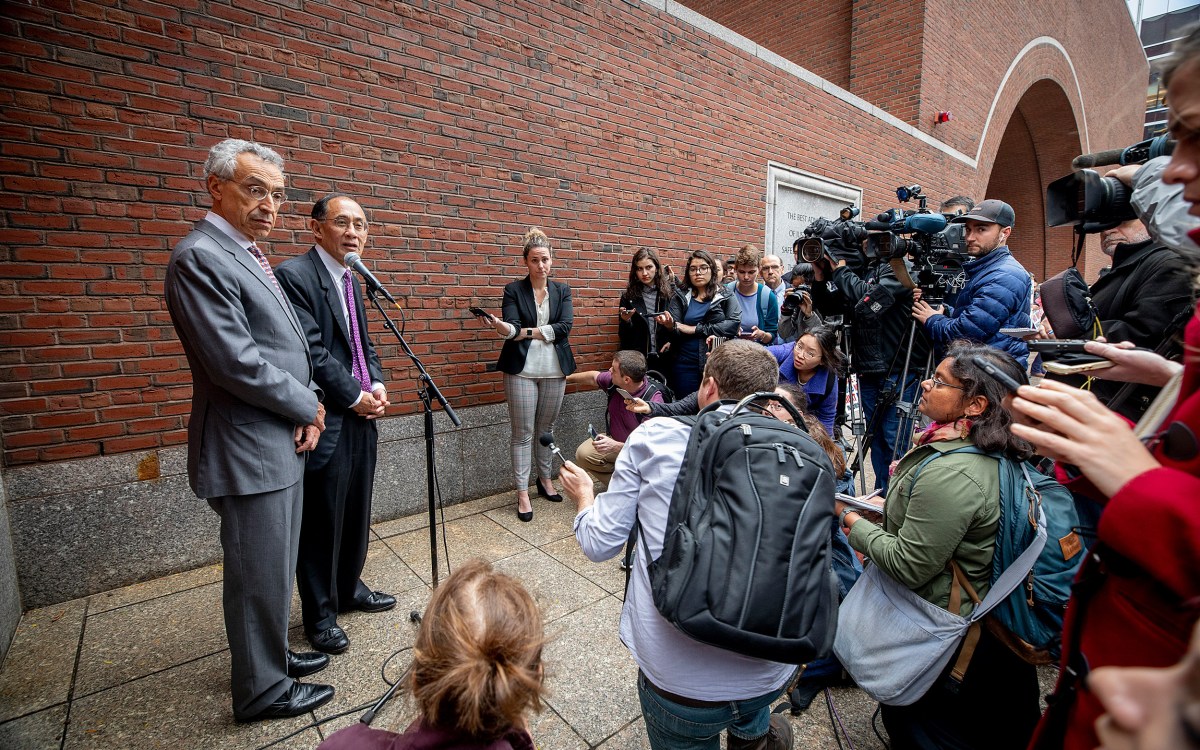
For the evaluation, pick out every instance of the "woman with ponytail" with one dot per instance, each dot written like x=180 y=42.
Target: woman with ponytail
x=476 y=669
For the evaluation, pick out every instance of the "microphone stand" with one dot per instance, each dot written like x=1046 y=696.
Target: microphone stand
x=427 y=392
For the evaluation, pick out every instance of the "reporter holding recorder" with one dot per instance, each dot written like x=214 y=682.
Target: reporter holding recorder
x=535 y=360
x=1137 y=596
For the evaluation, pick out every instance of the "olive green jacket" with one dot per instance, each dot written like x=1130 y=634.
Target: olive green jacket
x=951 y=512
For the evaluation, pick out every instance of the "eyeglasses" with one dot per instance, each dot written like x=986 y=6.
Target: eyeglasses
x=934 y=379
x=343 y=224
x=260 y=193
x=700 y=269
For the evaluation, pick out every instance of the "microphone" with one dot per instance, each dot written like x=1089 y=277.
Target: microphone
x=1138 y=153
x=547 y=439
x=353 y=261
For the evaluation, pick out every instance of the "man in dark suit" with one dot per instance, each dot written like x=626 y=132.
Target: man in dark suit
x=341 y=471
x=255 y=415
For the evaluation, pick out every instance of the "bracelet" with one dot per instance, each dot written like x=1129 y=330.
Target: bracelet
x=846 y=512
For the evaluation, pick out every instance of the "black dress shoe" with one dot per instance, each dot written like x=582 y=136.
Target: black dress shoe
x=376 y=601
x=555 y=498
x=331 y=640
x=302 y=665
x=300 y=698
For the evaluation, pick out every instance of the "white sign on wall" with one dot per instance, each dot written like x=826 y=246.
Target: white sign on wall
x=794 y=199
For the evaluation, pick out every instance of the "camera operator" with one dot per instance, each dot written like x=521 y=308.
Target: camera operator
x=880 y=309
x=997 y=292
x=796 y=313
x=1137 y=597
x=1144 y=298
x=957 y=205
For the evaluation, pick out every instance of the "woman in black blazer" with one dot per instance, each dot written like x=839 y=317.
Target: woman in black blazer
x=699 y=309
x=535 y=360
x=648 y=293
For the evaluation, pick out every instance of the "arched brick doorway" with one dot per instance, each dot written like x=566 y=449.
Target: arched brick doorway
x=1039 y=142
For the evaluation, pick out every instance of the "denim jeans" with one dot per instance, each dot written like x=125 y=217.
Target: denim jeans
x=872 y=388
x=672 y=726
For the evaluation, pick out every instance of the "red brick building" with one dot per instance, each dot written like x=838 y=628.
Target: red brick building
x=612 y=124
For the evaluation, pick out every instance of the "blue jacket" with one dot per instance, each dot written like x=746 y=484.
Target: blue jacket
x=997 y=295
x=821 y=388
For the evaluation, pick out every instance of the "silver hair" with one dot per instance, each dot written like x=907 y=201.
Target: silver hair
x=222 y=158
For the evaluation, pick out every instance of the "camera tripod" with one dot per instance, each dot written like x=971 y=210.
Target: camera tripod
x=894 y=397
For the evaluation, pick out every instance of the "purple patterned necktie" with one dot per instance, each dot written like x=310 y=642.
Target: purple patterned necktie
x=360 y=361
x=266 y=267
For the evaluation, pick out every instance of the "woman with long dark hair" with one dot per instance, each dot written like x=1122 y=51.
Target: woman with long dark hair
x=950 y=513
x=813 y=362
x=699 y=309
x=647 y=294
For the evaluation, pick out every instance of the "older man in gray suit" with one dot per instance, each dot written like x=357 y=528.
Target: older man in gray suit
x=255 y=415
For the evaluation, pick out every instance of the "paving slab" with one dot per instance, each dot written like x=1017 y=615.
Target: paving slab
x=140 y=639
x=473 y=536
x=449 y=512
x=41 y=660
x=557 y=589
x=551 y=521
x=188 y=706
x=165 y=586
x=590 y=678
x=606 y=574
x=37 y=731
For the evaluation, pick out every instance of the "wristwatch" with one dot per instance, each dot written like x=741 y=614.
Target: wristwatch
x=528 y=333
x=842 y=517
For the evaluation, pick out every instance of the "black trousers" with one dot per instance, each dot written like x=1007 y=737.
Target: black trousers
x=336 y=526
x=997 y=706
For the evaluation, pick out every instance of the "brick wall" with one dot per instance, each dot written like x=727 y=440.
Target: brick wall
x=610 y=123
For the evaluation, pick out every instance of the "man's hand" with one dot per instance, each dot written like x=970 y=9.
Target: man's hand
x=1124 y=174
x=922 y=311
x=806 y=304
x=762 y=337
x=367 y=406
x=319 y=421
x=605 y=445
x=637 y=406
x=577 y=484
x=306 y=437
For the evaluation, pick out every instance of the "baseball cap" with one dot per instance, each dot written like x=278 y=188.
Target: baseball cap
x=992 y=211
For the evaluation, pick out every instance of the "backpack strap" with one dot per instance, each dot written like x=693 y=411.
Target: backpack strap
x=971 y=639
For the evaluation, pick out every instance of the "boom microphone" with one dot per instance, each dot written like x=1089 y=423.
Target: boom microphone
x=352 y=260
x=1138 y=153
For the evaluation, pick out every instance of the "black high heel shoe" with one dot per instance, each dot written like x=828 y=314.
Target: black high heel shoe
x=555 y=498
x=525 y=517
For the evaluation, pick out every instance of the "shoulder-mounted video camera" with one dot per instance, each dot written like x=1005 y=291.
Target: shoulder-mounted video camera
x=833 y=240
x=1092 y=203
x=937 y=248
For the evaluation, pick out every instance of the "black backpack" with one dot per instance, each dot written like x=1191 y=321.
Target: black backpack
x=746 y=555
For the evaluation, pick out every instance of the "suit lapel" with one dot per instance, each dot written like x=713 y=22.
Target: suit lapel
x=528 y=302
x=332 y=293
x=243 y=256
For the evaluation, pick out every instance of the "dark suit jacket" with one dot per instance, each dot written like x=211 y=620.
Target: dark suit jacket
x=520 y=309
x=317 y=300
x=251 y=376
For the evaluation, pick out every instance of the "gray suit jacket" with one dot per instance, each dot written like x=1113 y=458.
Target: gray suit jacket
x=251 y=375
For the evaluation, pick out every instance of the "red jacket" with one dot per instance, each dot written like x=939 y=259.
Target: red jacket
x=1148 y=543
